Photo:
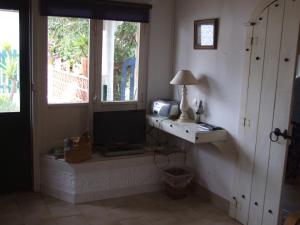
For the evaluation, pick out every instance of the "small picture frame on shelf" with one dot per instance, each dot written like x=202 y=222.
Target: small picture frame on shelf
x=206 y=34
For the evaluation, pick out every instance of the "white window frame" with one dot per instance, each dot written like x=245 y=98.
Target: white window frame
x=100 y=105
x=95 y=73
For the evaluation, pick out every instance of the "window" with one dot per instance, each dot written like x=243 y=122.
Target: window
x=120 y=61
x=9 y=62
x=108 y=49
x=68 y=60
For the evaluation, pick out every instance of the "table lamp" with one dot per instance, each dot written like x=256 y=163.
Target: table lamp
x=184 y=77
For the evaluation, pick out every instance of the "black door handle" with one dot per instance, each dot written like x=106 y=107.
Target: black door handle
x=274 y=135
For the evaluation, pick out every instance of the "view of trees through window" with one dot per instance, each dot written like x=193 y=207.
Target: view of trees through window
x=9 y=62
x=68 y=50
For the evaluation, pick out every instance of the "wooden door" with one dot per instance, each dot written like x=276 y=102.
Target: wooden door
x=274 y=19
x=272 y=56
x=282 y=110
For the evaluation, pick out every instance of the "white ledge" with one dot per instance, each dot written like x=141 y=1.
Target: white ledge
x=187 y=131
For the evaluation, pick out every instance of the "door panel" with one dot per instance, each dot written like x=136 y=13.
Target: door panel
x=271 y=60
x=15 y=135
x=252 y=110
x=282 y=111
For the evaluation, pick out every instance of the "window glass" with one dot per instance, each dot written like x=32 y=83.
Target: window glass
x=9 y=62
x=68 y=60
x=120 y=51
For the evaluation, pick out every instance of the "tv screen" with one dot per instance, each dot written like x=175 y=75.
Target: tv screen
x=119 y=128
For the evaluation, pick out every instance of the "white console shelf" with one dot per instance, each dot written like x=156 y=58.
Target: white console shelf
x=187 y=131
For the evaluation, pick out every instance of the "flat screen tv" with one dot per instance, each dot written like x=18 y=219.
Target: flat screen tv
x=121 y=128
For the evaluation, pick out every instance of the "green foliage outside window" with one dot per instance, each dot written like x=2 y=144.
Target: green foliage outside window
x=9 y=67
x=68 y=38
x=7 y=105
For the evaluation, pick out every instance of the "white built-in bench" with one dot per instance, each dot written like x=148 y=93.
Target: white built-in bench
x=100 y=177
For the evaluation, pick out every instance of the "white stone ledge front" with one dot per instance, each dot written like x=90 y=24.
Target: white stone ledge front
x=100 y=177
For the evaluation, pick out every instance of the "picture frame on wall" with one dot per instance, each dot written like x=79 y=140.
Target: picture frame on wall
x=206 y=34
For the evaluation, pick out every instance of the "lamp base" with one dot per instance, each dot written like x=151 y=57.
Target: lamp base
x=184 y=118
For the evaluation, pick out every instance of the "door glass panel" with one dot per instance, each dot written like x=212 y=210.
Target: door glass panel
x=9 y=61
x=120 y=50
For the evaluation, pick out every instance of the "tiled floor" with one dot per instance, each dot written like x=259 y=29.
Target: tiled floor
x=145 y=209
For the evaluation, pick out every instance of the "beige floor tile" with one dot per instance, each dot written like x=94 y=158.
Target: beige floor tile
x=63 y=211
x=40 y=222
x=168 y=221
x=11 y=219
x=31 y=205
x=9 y=207
x=103 y=221
x=137 y=221
x=50 y=201
x=72 y=220
x=157 y=214
x=119 y=214
x=144 y=209
x=25 y=196
x=33 y=210
x=93 y=211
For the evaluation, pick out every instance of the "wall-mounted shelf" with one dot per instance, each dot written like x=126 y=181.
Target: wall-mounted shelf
x=187 y=131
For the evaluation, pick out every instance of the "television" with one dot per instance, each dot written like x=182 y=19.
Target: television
x=120 y=129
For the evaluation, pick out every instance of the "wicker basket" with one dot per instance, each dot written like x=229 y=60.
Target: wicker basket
x=178 y=182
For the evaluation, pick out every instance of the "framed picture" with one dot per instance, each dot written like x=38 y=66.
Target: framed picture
x=206 y=34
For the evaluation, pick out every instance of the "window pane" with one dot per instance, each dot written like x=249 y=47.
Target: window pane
x=120 y=50
x=9 y=62
x=68 y=51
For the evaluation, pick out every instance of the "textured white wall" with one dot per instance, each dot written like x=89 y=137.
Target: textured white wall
x=221 y=74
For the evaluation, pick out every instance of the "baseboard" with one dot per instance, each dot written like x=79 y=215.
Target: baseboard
x=212 y=198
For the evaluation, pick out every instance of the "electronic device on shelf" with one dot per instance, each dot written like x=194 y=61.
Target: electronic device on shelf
x=209 y=127
x=165 y=108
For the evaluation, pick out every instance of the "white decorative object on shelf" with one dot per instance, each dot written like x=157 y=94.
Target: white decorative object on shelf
x=191 y=132
x=184 y=77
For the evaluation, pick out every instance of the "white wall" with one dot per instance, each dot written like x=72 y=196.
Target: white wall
x=161 y=50
x=220 y=72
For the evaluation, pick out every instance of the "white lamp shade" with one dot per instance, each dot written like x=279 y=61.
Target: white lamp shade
x=184 y=77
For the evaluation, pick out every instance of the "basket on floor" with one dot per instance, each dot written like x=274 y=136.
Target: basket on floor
x=178 y=182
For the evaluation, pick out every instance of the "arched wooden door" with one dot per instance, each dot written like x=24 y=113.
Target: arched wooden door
x=270 y=69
